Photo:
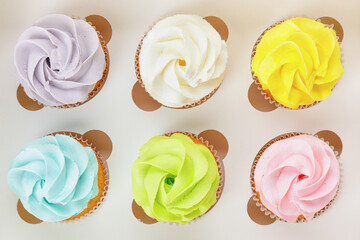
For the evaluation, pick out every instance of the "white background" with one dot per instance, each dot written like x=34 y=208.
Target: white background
x=228 y=111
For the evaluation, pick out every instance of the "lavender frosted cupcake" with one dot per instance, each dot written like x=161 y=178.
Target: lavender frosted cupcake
x=61 y=61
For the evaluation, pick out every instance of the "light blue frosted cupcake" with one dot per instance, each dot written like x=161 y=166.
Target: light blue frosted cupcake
x=57 y=178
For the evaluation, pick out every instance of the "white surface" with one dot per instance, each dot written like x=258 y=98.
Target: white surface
x=227 y=111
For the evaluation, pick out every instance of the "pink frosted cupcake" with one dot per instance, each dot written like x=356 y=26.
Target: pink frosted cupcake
x=295 y=177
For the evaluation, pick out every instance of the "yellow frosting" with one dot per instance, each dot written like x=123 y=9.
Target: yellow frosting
x=298 y=61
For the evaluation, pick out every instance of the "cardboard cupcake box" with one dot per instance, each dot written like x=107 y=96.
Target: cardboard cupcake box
x=118 y=111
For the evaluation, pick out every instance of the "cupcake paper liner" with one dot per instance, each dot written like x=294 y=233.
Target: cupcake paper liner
x=256 y=196
x=267 y=95
x=79 y=138
x=221 y=170
x=138 y=75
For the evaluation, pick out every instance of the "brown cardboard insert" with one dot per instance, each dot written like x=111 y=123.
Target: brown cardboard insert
x=104 y=30
x=102 y=25
x=25 y=215
x=257 y=215
x=258 y=98
x=333 y=139
x=98 y=140
x=216 y=139
x=26 y=102
x=257 y=211
x=143 y=99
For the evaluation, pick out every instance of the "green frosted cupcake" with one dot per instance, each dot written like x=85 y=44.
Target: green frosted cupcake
x=175 y=178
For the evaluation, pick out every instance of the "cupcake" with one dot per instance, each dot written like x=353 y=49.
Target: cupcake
x=61 y=61
x=181 y=61
x=176 y=178
x=58 y=178
x=297 y=62
x=295 y=177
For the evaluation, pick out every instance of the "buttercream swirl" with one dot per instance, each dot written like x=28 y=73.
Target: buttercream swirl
x=59 y=60
x=182 y=59
x=297 y=176
x=54 y=177
x=298 y=62
x=175 y=179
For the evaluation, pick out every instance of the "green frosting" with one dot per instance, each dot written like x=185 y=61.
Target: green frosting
x=175 y=179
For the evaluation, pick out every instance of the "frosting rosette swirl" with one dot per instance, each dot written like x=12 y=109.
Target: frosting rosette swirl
x=298 y=62
x=59 y=60
x=54 y=177
x=182 y=60
x=297 y=177
x=175 y=179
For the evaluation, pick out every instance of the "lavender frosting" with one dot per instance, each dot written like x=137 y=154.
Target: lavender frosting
x=59 y=60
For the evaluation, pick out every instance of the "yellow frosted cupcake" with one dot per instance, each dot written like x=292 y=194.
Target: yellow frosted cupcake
x=297 y=62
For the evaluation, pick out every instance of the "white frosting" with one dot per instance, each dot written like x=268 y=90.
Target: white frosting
x=182 y=59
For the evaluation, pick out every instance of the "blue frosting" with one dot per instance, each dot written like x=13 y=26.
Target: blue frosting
x=54 y=177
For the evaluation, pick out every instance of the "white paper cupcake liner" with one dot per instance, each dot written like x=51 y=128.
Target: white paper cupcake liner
x=252 y=182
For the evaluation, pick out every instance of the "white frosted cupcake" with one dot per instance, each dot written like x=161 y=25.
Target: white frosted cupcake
x=182 y=61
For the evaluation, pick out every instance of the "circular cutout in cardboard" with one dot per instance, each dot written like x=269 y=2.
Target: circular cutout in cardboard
x=257 y=215
x=258 y=101
x=336 y=26
x=25 y=215
x=333 y=139
x=141 y=215
x=217 y=140
x=26 y=102
x=102 y=25
x=219 y=25
x=143 y=100
x=101 y=141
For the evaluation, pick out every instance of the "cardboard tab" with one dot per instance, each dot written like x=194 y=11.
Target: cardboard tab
x=141 y=215
x=257 y=215
x=336 y=26
x=258 y=101
x=219 y=25
x=333 y=139
x=102 y=25
x=26 y=102
x=25 y=215
x=143 y=100
x=101 y=141
x=218 y=140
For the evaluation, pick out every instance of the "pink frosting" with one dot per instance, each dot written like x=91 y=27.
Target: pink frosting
x=59 y=60
x=297 y=176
